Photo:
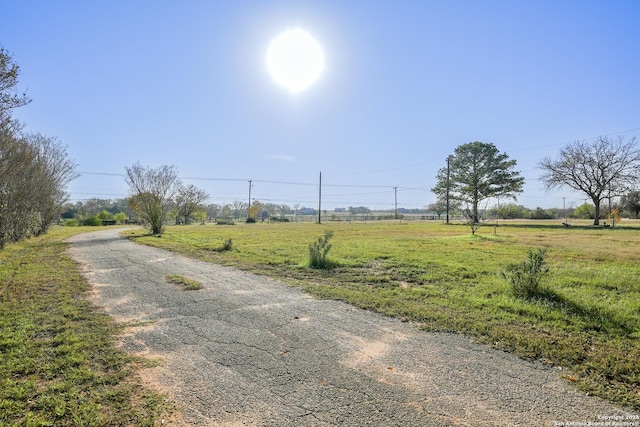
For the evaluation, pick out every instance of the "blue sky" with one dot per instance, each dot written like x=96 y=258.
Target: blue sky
x=185 y=83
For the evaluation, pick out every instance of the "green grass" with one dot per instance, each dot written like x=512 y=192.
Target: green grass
x=184 y=282
x=586 y=317
x=59 y=363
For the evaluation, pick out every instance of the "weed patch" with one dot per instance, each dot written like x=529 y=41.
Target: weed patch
x=319 y=250
x=226 y=246
x=184 y=282
x=526 y=275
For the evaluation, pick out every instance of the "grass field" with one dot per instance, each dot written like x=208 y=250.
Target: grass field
x=587 y=318
x=59 y=363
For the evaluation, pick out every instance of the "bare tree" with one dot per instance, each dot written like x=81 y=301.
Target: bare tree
x=10 y=98
x=188 y=199
x=53 y=172
x=152 y=193
x=34 y=171
x=16 y=160
x=439 y=207
x=213 y=210
x=473 y=221
x=595 y=168
x=93 y=206
x=239 y=208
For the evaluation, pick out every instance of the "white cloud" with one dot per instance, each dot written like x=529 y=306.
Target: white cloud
x=282 y=157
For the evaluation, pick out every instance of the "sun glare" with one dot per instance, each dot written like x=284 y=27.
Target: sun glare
x=295 y=60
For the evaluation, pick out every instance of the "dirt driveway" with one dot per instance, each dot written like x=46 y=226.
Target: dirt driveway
x=247 y=350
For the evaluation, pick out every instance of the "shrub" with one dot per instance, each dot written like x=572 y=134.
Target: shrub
x=70 y=222
x=251 y=220
x=225 y=221
x=278 y=219
x=318 y=251
x=104 y=214
x=92 y=221
x=525 y=276
x=121 y=217
x=226 y=246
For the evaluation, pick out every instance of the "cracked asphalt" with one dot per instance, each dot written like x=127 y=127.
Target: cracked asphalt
x=248 y=350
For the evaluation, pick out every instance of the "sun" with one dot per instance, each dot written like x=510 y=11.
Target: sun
x=295 y=60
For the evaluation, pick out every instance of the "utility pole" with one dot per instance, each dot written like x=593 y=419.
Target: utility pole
x=249 y=207
x=495 y=226
x=320 y=199
x=564 y=209
x=613 y=220
x=395 y=192
x=448 y=158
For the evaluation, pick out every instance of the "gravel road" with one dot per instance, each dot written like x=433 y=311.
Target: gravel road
x=247 y=350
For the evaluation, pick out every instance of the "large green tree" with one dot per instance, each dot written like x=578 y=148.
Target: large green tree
x=477 y=171
x=600 y=168
x=631 y=202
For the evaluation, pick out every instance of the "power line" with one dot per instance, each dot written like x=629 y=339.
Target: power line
x=313 y=184
x=101 y=173
x=261 y=181
x=335 y=197
x=214 y=179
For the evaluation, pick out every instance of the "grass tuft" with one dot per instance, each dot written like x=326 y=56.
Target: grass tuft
x=184 y=282
x=226 y=246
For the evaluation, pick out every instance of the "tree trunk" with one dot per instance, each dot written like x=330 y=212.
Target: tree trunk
x=596 y=219
x=475 y=210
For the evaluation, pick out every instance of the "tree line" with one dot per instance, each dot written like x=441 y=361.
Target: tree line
x=625 y=208
x=602 y=169
x=475 y=172
x=34 y=168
